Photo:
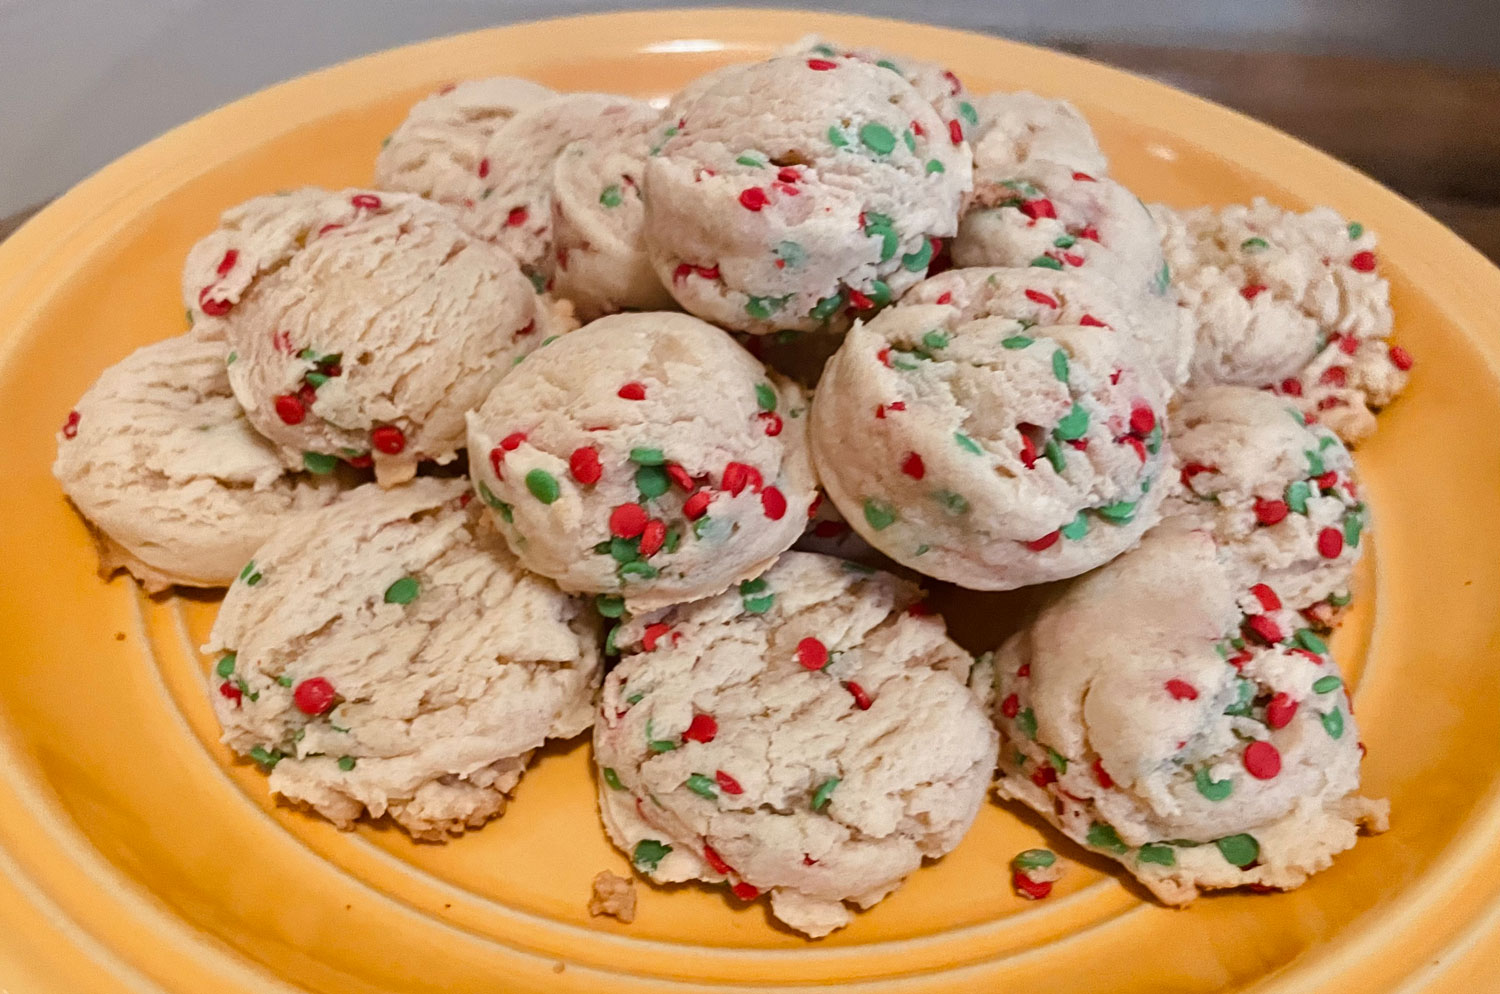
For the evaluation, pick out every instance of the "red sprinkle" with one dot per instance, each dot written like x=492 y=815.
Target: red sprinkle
x=745 y=892
x=227 y=263
x=627 y=520
x=696 y=504
x=1192 y=469
x=497 y=456
x=1084 y=178
x=1181 y=690
x=1089 y=321
x=1090 y=232
x=822 y=65
x=1400 y=358
x=517 y=217
x=1279 y=711
x=388 y=439
x=736 y=475
x=70 y=426
x=484 y=168
x=1330 y=543
x=861 y=699
x=365 y=201
x=702 y=728
x=314 y=696
x=1269 y=512
x=773 y=503
x=945 y=297
x=1011 y=706
x=956 y=132
x=1103 y=777
x=1136 y=444
x=632 y=391
x=1073 y=258
x=860 y=302
x=681 y=273
x=716 y=861
x=1363 y=261
x=213 y=308
x=1045 y=542
x=1032 y=890
x=1262 y=760
x=1252 y=291
x=289 y=409
x=1038 y=297
x=773 y=421
x=1142 y=420
x=230 y=691
x=754 y=199
x=1333 y=376
x=1267 y=597
x=1264 y=628
x=679 y=475
x=653 y=537
x=1348 y=344
x=1028 y=451
x=584 y=465
x=653 y=634
x=513 y=441
x=913 y=467
x=812 y=654
x=1291 y=386
x=1043 y=775
x=788 y=174
x=727 y=783
x=1040 y=208
x=1328 y=480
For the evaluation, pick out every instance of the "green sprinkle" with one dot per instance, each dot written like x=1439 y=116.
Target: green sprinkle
x=639 y=568
x=1034 y=859
x=1120 y=512
x=1327 y=442
x=1340 y=600
x=916 y=262
x=827 y=50
x=888 y=64
x=647 y=457
x=487 y=495
x=703 y=786
x=403 y=591
x=648 y=854
x=624 y=550
x=759 y=605
x=346 y=763
x=1296 y=496
x=284 y=680
x=1046 y=262
x=751 y=161
x=880 y=293
x=253 y=579
x=877 y=138
x=827 y=307
x=910 y=140
x=1153 y=440
x=609 y=605
x=823 y=793
x=968 y=113
x=1077 y=528
x=1026 y=722
x=934 y=166
x=1315 y=463
x=229 y=359
x=1214 y=790
x=967 y=444
x=761 y=308
x=1239 y=850
x=1333 y=723
x=860 y=568
x=1102 y=836
x=315 y=380
x=1354 y=523
x=385 y=141
x=658 y=745
x=308 y=354
x=1019 y=342
x=879 y=514
x=538 y=282
x=954 y=504
x=1326 y=684
x=754 y=586
x=543 y=486
x=1060 y=365
x=317 y=462
x=1019 y=758
x=635 y=698
x=672 y=541
x=652 y=481
x=1156 y=853
x=506 y=512
x=1074 y=425
x=936 y=340
x=612 y=778
x=1254 y=245
x=1055 y=455
x=889 y=240
x=790 y=254
x=924 y=548
x=1064 y=242
x=611 y=196
x=765 y=397
x=836 y=136
x=1355 y=230
x=1245 y=696
x=266 y=757
x=1058 y=760
x=226 y=664
x=1309 y=640
x=1163 y=279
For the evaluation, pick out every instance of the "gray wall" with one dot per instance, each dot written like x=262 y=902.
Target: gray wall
x=82 y=81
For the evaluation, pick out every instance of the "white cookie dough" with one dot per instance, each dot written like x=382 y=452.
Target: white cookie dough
x=1159 y=714
x=937 y=85
x=598 y=221
x=645 y=455
x=387 y=656
x=791 y=192
x=1017 y=129
x=1278 y=495
x=360 y=325
x=998 y=436
x=1291 y=301
x=805 y=735
x=159 y=458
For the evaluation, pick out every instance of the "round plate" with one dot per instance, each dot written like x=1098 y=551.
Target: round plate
x=136 y=854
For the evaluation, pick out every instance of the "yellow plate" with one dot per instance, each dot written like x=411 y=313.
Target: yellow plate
x=136 y=855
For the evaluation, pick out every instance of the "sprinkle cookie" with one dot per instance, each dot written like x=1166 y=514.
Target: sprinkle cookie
x=158 y=456
x=792 y=193
x=1001 y=437
x=1158 y=715
x=646 y=456
x=387 y=656
x=360 y=326
x=806 y=735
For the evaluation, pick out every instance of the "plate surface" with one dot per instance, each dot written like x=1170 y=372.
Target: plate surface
x=136 y=855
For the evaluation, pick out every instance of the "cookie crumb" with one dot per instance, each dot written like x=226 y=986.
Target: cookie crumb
x=559 y=967
x=613 y=896
x=1033 y=872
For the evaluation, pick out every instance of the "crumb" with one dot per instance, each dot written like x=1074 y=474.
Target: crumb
x=119 y=636
x=614 y=896
x=559 y=967
x=1033 y=873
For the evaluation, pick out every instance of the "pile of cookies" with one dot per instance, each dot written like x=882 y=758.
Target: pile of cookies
x=846 y=325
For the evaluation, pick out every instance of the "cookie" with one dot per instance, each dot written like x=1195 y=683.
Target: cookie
x=387 y=656
x=1002 y=437
x=1159 y=714
x=1289 y=301
x=646 y=456
x=360 y=326
x=792 y=192
x=158 y=456
x=1276 y=490
x=807 y=735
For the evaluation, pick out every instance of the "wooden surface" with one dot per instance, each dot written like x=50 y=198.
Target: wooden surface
x=1422 y=129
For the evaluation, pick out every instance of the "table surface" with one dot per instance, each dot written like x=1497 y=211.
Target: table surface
x=1417 y=127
